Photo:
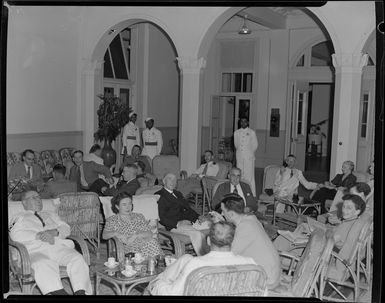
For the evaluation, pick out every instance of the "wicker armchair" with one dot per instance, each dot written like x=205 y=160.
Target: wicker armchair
x=351 y=266
x=229 y=280
x=303 y=278
x=20 y=263
x=82 y=212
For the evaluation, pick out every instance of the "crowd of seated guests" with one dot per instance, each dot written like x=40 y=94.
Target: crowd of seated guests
x=242 y=239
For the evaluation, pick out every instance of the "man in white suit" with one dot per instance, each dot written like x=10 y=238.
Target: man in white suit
x=131 y=135
x=246 y=143
x=152 y=139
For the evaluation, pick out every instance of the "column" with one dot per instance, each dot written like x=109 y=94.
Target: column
x=190 y=125
x=348 y=78
x=92 y=75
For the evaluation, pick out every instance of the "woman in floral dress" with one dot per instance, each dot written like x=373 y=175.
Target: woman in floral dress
x=131 y=228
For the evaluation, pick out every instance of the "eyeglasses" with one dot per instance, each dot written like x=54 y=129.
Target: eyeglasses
x=235 y=175
x=30 y=159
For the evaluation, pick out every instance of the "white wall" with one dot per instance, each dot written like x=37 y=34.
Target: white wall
x=42 y=70
x=163 y=80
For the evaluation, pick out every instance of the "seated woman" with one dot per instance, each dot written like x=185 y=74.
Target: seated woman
x=333 y=217
x=340 y=182
x=352 y=208
x=131 y=228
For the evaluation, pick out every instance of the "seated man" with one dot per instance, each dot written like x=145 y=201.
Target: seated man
x=176 y=214
x=210 y=169
x=94 y=155
x=235 y=186
x=86 y=174
x=43 y=234
x=147 y=179
x=136 y=156
x=128 y=182
x=58 y=184
x=250 y=238
x=172 y=280
x=287 y=181
x=27 y=169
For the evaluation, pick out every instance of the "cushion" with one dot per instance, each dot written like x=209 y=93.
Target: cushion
x=143 y=204
x=15 y=207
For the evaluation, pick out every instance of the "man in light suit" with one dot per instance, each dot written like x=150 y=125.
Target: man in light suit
x=235 y=186
x=27 y=168
x=209 y=168
x=44 y=235
x=152 y=139
x=86 y=174
x=246 y=143
x=130 y=135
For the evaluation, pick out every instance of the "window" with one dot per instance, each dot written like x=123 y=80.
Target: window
x=321 y=54
x=117 y=57
x=364 y=115
x=237 y=82
x=300 y=124
x=301 y=61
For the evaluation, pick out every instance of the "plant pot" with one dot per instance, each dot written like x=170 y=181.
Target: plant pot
x=108 y=154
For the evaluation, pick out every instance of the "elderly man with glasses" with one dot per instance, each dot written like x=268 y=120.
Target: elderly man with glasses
x=235 y=185
x=44 y=236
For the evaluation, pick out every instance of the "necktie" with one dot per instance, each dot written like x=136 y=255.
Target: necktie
x=40 y=218
x=78 y=176
x=205 y=169
x=235 y=191
x=29 y=172
x=174 y=194
x=291 y=173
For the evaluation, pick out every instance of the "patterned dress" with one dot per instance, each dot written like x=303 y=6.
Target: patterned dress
x=135 y=223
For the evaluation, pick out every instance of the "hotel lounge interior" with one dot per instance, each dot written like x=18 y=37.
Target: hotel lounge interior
x=305 y=79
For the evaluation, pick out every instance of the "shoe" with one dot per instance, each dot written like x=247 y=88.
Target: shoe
x=59 y=292
x=80 y=292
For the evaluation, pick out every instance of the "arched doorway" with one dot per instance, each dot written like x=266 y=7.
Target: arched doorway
x=133 y=52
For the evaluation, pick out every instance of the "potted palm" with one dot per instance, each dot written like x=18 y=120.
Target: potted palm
x=112 y=116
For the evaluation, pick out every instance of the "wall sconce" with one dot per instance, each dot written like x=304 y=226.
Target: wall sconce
x=244 y=30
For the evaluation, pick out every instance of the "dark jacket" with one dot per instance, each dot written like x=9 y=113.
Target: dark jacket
x=122 y=186
x=224 y=188
x=173 y=209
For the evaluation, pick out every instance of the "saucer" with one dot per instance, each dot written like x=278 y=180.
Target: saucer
x=129 y=273
x=109 y=266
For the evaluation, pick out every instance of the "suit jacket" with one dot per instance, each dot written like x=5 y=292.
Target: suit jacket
x=55 y=187
x=91 y=172
x=173 y=209
x=224 y=188
x=18 y=171
x=129 y=187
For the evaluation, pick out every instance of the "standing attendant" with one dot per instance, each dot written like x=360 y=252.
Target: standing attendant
x=246 y=143
x=131 y=135
x=152 y=139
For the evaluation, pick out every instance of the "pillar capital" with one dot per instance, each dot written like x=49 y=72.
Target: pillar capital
x=343 y=60
x=191 y=64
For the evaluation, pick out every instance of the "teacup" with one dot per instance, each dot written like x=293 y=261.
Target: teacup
x=111 y=261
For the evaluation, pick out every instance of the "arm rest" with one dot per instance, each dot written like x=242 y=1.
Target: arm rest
x=23 y=271
x=183 y=174
x=293 y=260
x=178 y=246
x=83 y=247
x=115 y=249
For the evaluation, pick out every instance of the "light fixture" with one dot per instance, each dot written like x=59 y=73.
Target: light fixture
x=244 y=30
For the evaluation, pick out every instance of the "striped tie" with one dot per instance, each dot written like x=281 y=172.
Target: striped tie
x=40 y=218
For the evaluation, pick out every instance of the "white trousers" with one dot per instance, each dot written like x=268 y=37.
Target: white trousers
x=150 y=150
x=198 y=239
x=246 y=165
x=45 y=263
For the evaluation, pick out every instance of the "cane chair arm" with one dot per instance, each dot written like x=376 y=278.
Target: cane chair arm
x=83 y=248
x=115 y=248
x=24 y=272
x=178 y=246
x=293 y=261
x=183 y=174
